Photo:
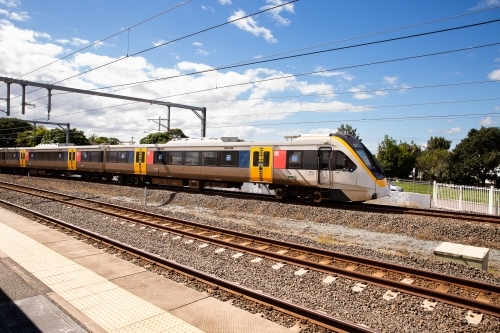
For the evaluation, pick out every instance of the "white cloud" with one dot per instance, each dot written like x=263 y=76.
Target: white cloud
x=177 y=56
x=486 y=121
x=455 y=73
x=198 y=44
x=430 y=130
x=250 y=25
x=404 y=87
x=381 y=93
x=10 y=3
x=485 y=4
x=497 y=108
x=79 y=42
x=202 y=52
x=343 y=75
x=62 y=41
x=390 y=79
x=495 y=75
x=158 y=42
x=497 y=60
x=359 y=94
x=275 y=13
x=225 y=2
x=452 y=130
x=98 y=44
x=19 y=16
x=231 y=109
x=208 y=8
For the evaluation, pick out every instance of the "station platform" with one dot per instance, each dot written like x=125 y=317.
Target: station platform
x=51 y=282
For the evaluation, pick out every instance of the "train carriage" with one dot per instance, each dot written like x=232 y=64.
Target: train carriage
x=334 y=167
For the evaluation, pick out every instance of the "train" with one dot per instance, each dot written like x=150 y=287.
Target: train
x=335 y=167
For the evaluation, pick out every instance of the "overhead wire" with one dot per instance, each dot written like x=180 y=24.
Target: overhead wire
x=328 y=43
x=106 y=38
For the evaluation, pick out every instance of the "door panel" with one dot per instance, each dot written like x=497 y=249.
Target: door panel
x=324 y=165
x=261 y=164
x=22 y=157
x=140 y=161
x=72 y=159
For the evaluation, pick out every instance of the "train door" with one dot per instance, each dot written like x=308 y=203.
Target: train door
x=72 y=159
x=261 y=164
x=22 y=157
x=324 y=166
x=140 y=161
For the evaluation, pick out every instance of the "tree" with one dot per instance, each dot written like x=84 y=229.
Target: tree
x=398 y=160
x=10 y=128
x=476 y=158
x=58 y=135
x=163 y=137
x=30 y=139
x=103 y=140
x=348 y=129
x=438 y=142
x=434 y=164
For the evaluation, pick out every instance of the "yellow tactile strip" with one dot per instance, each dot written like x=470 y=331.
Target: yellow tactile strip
x=111 y=307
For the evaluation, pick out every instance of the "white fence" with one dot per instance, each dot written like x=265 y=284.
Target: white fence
x=482 y=200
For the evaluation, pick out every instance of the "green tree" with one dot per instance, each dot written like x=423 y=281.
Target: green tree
x=58 y=135
x=398 y=160
x=163 y=137
x=10 y=128
x=30 y=139
x=434 y=164
x=476 y=158
x=93 y=139
x=438 y=142
x=347 y=129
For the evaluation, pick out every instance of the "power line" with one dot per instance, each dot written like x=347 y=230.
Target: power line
x=106 y=38
x=305 y=54
x=335 y=69
x=172 y=41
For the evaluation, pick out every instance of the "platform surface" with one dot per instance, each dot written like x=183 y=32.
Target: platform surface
x=107 y=294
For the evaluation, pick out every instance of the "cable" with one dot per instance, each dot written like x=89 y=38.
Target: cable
x=329 y=43
x=352 y=66
x=102 y=40
x=169 y=42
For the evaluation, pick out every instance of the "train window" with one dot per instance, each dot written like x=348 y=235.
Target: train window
x=95 y=156
x=159 y=157
x=342 y=162
x=60 y=157
x=324 y=159
x=12 y=156
x=2 y=156
x=310 y=160
x=294 y=159
x=112 y=156
x=138 y=157
x=53 y=156
x=229 y=158
x=208 y=158
x=122 y=157
x=85 y=156
x=255 y=162
x=45 y=156
x=191 y=158
x=130 y=157
x=266 y=158
x=175 y=157
x=33 y=156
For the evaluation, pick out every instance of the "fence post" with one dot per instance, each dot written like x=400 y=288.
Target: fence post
x=497 y=208
x=460 y=199
x=434 y=193
x=490 y=201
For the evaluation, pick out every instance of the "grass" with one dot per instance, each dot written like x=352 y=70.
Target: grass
x=495 y=271
x=327 y=239
x=422 y=188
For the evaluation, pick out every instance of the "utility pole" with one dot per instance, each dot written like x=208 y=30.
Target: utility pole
x=159 y=122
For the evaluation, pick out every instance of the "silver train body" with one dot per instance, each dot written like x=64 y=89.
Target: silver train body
x=333 y=167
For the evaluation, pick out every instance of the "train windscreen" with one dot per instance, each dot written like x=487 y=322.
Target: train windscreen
x=371 y=162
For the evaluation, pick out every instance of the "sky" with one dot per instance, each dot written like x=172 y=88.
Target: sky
x=302 y=68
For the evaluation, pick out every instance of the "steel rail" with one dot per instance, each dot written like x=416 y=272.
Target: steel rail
x=278 y=304
x=386 y=283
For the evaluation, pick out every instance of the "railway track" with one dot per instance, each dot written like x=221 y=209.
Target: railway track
x=353 y=206
x=432 y=287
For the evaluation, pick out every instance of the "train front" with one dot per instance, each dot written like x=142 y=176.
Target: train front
x=371 y=176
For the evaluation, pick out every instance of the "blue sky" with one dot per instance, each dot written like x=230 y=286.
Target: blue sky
x=376 y=99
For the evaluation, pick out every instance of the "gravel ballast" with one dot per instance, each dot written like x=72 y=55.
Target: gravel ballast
x=320 y=227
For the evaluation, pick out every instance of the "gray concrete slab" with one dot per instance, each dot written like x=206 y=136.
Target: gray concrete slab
x=164 y=293
x=223 y=317
x=46 y=236
x=108 y=266
x=18 y=222
x=85 y=321
x=73 y=248
x=35 y=314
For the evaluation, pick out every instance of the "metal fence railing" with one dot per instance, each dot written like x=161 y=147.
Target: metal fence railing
x=410 y=185
x=483 y=200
